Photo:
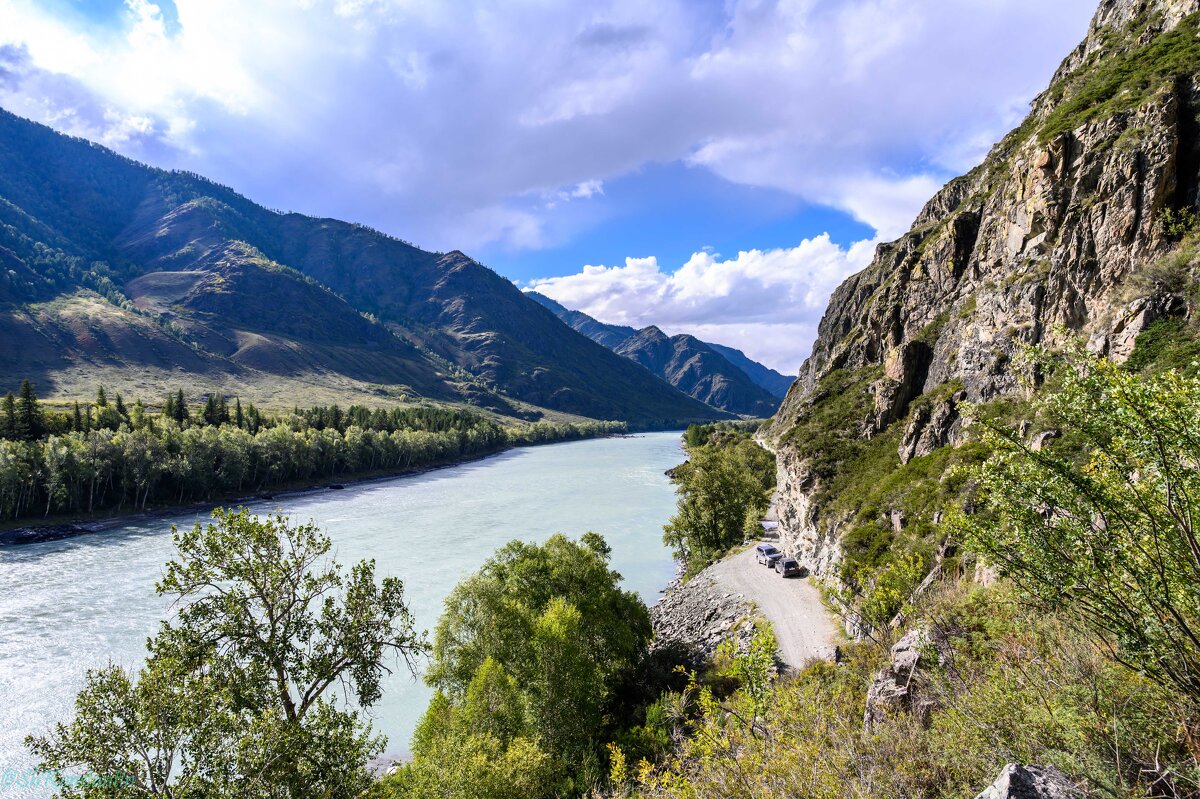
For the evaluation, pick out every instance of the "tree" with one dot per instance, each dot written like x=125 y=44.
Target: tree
x=239 y=693
x=77 y=420
x=101 y=398
x=720 y=487
x=181 y=409
x=554 y=619
x=8 y=417
x=29 y=424
x=1103 y=523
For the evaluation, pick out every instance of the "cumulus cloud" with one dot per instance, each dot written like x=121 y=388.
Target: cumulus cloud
x=764 y=302
x=452 y=123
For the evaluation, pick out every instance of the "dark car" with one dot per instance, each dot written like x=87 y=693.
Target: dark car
x=767 y=554
x=788 y=567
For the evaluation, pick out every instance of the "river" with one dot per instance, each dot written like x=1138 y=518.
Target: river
x=83 y=602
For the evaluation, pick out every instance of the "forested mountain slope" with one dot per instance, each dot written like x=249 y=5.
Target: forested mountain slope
x=121 y=273
x=1079 y=224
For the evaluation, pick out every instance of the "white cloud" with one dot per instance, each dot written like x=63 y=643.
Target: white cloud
x=475 y=111
x=764 y=302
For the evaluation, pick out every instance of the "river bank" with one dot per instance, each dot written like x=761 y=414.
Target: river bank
x=56 y=527
x=83 y=602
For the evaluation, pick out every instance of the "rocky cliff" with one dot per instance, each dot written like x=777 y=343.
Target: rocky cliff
x=1069 y=228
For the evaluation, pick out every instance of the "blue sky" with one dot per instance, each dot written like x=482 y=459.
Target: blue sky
x=711 y=167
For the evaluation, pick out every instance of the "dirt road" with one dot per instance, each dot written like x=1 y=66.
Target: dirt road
x=803 y=627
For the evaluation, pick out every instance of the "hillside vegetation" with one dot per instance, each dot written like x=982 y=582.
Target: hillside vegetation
x=150 y=280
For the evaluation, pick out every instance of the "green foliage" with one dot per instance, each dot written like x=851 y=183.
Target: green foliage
x=1123 y=75
x=873 y=596
x=240 y=694
x=1010 y=685
x=106 y=457
x=1109 y=536
x=532 y=659
x=1176 y=224
x=1165 y=344
x=724 y=489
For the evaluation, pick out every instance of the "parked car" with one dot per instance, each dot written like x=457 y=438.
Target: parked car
x=788 y=567
x=767 y=554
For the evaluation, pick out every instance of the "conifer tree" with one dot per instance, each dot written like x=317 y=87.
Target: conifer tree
x=8 y=419
x=168 y=409
x=237 y=413
x=124 y=414
x=181 y=409
x=77 y=420
x=30 y=423
x=101 y=398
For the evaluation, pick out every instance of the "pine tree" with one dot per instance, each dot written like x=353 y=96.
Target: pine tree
x=8 y=419
x=124 y=414
x=30 y=424
x=77 y=421
x=168 y=409
x=101 y=398
x=181 y=409
x=237 y=413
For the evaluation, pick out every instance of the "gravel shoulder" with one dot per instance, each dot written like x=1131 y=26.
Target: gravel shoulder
x=803 y=627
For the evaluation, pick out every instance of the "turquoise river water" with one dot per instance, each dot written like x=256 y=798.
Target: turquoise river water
x=69 y=605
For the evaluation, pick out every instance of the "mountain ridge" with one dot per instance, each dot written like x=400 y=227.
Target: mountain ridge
x=81 y=225
x=614 y=336
x=1065 y=231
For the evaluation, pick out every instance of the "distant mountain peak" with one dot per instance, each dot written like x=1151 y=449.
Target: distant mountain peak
x=722 y=376
x=188 y=282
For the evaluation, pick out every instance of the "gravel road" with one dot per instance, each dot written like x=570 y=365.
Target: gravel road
x=802 y=625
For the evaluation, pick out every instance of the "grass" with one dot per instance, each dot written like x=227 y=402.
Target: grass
x=1123 y=75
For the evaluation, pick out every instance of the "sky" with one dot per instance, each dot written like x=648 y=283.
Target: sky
x=714 y=167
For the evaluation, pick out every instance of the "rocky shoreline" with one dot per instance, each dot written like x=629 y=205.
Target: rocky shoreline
x=697 y=616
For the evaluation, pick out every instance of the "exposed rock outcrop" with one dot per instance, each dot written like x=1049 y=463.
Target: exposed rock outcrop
x=1051 y=237
x=697 y=616
x=902 y=686
x=1031 y=782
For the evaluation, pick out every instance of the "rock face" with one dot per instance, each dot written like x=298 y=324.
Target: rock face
x=900 y=688
x=1031 y=782
x=696 y=617
x=1053 y=236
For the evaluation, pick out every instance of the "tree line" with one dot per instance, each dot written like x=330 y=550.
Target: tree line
x=724 y=489
x=109 y=455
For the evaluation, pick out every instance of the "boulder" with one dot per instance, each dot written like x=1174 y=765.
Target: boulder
x=1031 y=782
x=899 y=688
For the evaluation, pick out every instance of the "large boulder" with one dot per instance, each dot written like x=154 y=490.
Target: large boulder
x=900 y=687
x=1031 y=782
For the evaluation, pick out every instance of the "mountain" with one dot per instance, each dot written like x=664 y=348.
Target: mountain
x=762 y=376
x=613 y=336
x=694 y=368
x=144 y=279
x=1080 y=224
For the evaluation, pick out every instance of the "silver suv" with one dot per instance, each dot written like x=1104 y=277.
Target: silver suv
x=767 y=554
